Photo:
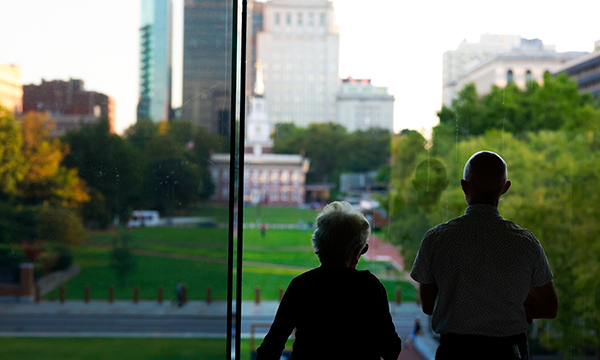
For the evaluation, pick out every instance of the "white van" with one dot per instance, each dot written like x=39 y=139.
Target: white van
x=141 y=218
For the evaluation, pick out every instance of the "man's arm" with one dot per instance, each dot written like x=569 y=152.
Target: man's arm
x=428 y=294
x=542 y=302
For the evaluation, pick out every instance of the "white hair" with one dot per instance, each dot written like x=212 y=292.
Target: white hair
x=340 y=232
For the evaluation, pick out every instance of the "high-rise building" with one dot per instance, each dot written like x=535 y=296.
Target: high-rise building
x=299 y=49
x=155 y=60
x=11 y=88
x=361 y=106
x=68 y=104
x=207 y=56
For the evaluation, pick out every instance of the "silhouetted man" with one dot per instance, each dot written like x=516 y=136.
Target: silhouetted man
x=483 y=278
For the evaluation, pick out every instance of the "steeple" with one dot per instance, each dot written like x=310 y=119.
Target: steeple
x=258 y=129
x=259 y=85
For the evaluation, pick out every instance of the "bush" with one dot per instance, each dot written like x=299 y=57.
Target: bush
x=11 y=259
x=17 y=224
x=64 y=259
x=61 y=225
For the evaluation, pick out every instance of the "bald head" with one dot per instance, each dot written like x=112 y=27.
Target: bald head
x=485 y=178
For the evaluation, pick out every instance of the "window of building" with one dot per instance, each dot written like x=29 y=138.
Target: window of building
x=311 y=19
x=299 y=18
x=323 y=19
x=528 y=77
x=277 y=18
x=288 y=18
x=509 y=76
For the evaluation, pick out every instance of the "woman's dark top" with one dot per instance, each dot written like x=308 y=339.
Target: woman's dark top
x=338 y=313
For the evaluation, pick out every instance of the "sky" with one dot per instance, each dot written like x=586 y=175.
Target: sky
x=396 y=43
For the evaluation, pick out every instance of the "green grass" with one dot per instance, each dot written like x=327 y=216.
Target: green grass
x=35 y=348
x=166 y=235
x=267 y=214
x=289 y=250
x=150 y=273
x=278 y=215
x=112 y=348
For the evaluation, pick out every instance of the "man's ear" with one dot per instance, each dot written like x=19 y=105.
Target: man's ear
x=465 y=185
x=506 y=187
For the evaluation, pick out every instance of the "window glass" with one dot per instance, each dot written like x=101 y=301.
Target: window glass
x=117 y=174
x=120 y=236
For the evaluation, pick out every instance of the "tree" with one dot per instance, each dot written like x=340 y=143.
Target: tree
x=178 y=159
x=45 y=179
x=140 y=133
x=364 y=150
x=514 y=110
x=12 y=162
x=122 y=259
x=60 y=225
x=555 y=177
x=110 y=165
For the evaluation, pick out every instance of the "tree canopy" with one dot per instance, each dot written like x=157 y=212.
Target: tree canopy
x=548 y=135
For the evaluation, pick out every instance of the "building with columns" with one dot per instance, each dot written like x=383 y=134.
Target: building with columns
x=521 y=65
x=269 y=179
x=11 y=88
x=299 y=49
x=361 y=106
x=455 y=61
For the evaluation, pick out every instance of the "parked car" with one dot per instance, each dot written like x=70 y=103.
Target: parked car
x=141 y=218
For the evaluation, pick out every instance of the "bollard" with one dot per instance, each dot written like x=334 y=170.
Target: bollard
x=208 y=294
x=37 y=294
x=136 y=294
x=398 y=296
x=280 y=294
x=185 y=294
x=161 y=294
x=61 y=294
x=257 y=296
x=111 y=294
x=86 y=294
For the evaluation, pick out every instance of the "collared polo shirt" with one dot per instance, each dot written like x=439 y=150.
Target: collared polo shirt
x=483 y=266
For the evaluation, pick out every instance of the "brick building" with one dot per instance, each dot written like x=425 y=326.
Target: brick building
x=68 y=103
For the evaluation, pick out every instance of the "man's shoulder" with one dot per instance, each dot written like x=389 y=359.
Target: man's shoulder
x=518 y=231
x=449 y=226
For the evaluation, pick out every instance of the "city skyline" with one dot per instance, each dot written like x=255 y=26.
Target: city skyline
x=391 y=44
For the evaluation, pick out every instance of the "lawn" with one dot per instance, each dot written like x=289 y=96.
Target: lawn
x=116 y=349
x=266 y=214
x=198 y=257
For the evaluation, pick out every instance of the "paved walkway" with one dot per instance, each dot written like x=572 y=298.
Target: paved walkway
x=152 y=307
x=381 y=251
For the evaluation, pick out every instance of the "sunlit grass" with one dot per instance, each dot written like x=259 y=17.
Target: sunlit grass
x=198 y=257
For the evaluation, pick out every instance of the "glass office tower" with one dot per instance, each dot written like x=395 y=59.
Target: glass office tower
x=155 y=60
x=206 y=64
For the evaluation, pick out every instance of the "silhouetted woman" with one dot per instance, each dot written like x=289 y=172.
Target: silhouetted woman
x=338 y=312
